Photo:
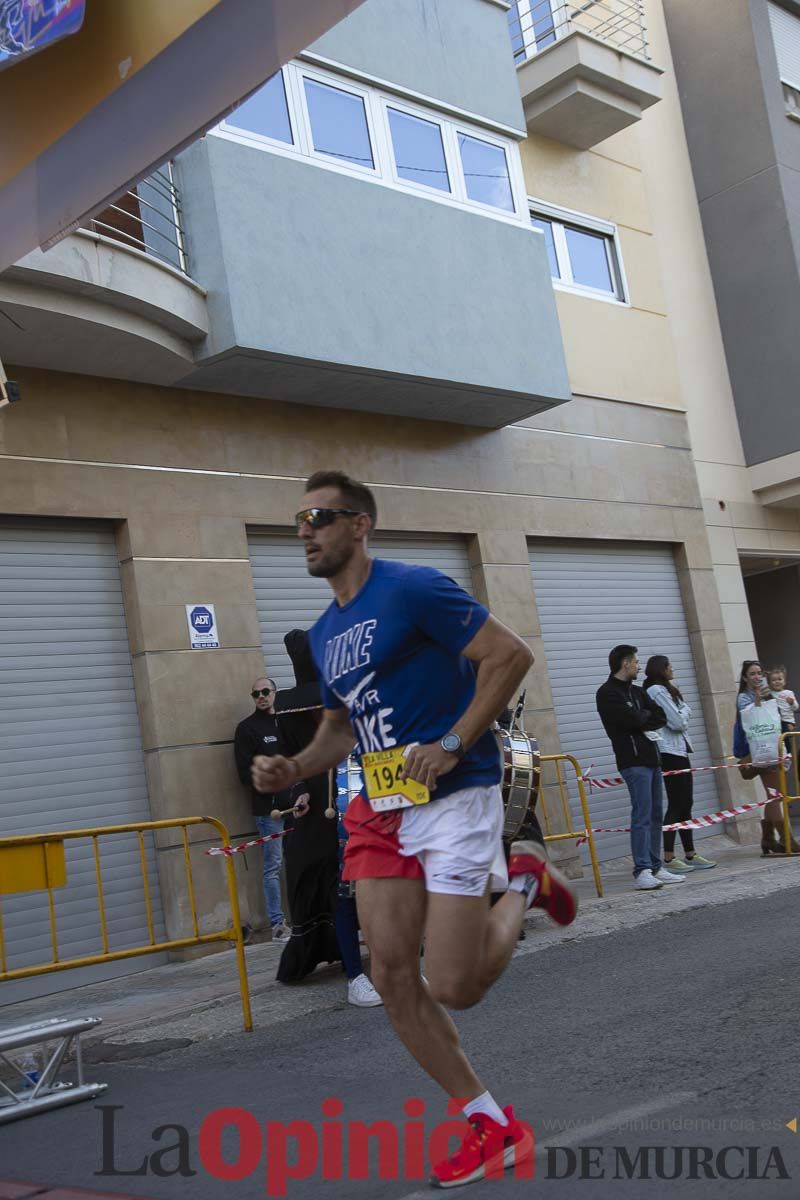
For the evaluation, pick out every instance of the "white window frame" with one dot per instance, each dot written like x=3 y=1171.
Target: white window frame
x=262 y=139
x=561 y=217
x=422 y=114
x=479 y=136
x=377 y=102
x=352 y=89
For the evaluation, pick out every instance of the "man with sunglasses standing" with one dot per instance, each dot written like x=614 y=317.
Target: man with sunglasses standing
x=260 y=734
x=414 y=671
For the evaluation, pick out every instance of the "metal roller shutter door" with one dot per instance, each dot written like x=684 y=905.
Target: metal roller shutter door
x=592 y=596
x=288 y=598
x=786 y=35
x=70 y=746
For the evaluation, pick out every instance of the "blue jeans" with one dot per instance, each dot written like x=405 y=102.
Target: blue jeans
x=347 y=936
x=273 y=854
x=647 y=816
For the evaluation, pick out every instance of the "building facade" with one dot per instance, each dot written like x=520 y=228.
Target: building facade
x=465 y=268
x=738 y=70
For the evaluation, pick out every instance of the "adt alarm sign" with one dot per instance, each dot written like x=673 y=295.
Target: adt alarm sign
x=202 y=627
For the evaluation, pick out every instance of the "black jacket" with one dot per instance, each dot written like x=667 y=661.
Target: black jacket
x=626 y=712
x=261 y=733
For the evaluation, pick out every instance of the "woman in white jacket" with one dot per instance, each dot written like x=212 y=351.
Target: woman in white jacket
x=673 y=741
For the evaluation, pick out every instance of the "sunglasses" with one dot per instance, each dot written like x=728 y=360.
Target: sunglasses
x=318 y=518
x=262 y=692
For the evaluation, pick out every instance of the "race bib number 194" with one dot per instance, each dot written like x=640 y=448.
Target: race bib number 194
x=385 y=787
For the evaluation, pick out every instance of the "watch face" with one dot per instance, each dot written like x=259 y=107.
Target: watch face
x=451 y=742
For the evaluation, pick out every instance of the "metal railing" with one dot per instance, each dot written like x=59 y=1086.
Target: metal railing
x=788 y=745
x=147 y=217
x=572 y=835
x=37 y=862
x=536 y=24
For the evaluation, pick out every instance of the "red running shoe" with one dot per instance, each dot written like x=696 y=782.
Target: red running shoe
x=554 y=893
x=487 y=1151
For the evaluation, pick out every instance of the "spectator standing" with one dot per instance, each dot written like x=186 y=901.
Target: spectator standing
x=324 y=916
x=754 y=690
x=675 y=749
x=628 y=716
x=259 y=734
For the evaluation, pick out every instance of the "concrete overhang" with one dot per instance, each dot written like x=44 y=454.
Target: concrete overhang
x=776 y=482
x=141 y=79
x=580 y=90
x=336 y=385
x=96 y=307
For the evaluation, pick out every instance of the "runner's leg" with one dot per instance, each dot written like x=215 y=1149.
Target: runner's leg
x=392 y=915
x=468 y=945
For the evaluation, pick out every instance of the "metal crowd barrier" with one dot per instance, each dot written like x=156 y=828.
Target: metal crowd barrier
x=584 y=834
x=36 y=862
x=788 y=799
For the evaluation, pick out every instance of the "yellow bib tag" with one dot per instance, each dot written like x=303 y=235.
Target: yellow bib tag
x=382 y=779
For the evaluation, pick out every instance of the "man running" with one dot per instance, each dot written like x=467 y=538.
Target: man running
x=409 y=660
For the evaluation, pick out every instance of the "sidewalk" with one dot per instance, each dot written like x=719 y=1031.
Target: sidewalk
x=164 y=1007
x=10 y=1190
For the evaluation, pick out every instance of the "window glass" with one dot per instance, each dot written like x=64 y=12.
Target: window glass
x=418 y=150
x=518 y=24
x=531 y=25
x=486 y=172
x=338 y=123
x=547 y=229
x=589 y=260
x=266 y=112
x=543 y=23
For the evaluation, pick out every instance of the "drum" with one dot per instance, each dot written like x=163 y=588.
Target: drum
x=521 y=772
x=349 y=783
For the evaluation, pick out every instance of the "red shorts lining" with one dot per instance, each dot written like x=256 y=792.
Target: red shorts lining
x=372 y=849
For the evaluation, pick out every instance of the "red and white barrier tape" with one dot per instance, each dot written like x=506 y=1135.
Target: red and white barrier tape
x=242 y=846
x=695 y=823
x=617 y=780
x=699 y=822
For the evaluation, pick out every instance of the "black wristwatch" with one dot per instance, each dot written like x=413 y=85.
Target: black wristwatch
x=452 y=743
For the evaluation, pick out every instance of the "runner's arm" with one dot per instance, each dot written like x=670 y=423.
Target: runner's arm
x=502 y=660
x=332 y=743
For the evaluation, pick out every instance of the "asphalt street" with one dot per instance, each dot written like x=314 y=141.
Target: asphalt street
x=677 y=1033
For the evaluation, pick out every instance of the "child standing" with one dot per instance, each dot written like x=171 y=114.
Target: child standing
x=787 y=701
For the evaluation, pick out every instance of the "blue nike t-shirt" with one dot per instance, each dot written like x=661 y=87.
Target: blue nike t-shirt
x=393 y=658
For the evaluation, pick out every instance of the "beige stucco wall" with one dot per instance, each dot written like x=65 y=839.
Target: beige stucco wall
x=617 y=351
x=666 y=347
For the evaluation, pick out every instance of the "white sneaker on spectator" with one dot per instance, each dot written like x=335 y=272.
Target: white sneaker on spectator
x=665 y=876
x=361 y=993
x=646 y=881
x=281 y=933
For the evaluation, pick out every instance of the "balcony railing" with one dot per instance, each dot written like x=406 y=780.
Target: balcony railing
x=148 y=217
x=536 y=24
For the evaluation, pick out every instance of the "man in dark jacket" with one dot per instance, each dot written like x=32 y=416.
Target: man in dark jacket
x=628 y=716
x=257 y=734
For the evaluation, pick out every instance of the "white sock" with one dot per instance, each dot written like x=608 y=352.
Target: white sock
x=486 y=1104
x=528 y=885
